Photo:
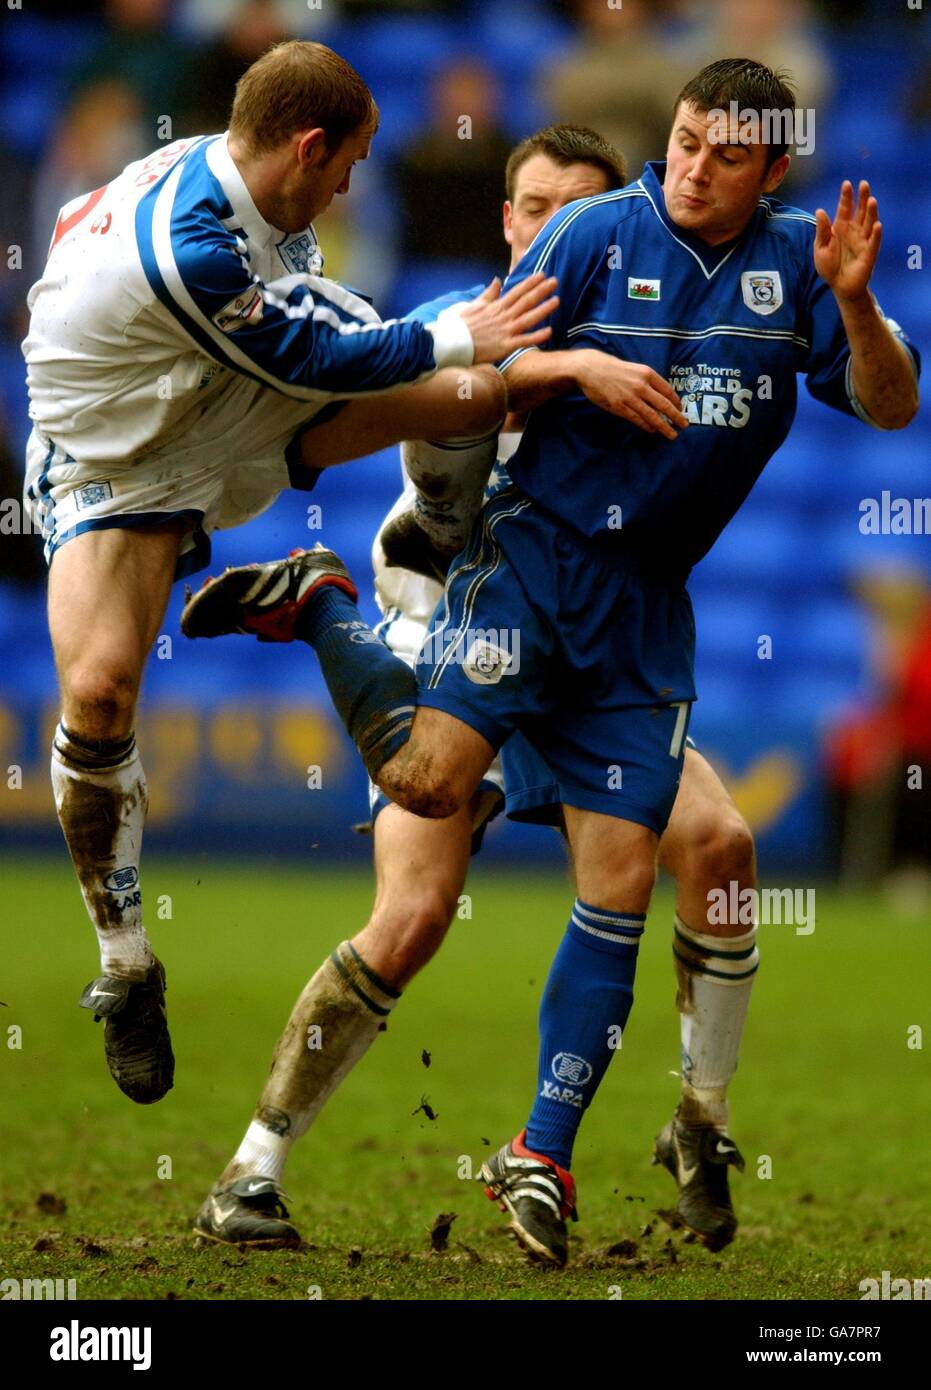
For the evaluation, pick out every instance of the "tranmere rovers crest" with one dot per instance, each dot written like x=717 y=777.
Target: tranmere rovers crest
x=301 y=254
x=762 y=290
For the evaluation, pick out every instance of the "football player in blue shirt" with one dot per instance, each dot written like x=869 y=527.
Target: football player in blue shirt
x=567 y=615
x=421 y=864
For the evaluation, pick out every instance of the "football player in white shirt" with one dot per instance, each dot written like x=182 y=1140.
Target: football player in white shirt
x=421 y=864
x=181 y=338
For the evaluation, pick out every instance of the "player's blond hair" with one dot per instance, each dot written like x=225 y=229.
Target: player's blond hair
x=296 y=86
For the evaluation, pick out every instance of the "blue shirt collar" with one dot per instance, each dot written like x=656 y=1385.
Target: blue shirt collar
x=711 y=257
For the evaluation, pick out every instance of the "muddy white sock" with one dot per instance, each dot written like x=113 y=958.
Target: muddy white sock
x=715 y=975
x=334 y=1022
x=449 y=479
x=101 y=799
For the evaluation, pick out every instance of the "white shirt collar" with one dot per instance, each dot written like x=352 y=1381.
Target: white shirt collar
x=222 y=165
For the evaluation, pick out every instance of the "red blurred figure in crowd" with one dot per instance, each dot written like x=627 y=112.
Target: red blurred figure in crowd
x=879 y=760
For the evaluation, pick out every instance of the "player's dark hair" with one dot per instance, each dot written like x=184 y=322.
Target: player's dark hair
x=295 y=86
x=568 y=144
x=752 y=85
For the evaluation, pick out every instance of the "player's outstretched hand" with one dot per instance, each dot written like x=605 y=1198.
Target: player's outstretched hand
x=846 y=249
x=632 y=391
x=502 y=323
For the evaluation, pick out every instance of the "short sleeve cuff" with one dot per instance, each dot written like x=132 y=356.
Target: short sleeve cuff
x=507 y=361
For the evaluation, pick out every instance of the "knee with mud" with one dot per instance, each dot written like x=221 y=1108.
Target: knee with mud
x=412 y=781
x=99 y=701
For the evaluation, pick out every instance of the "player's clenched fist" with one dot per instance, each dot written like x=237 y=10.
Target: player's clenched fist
x=631 y=390
x=502 y=323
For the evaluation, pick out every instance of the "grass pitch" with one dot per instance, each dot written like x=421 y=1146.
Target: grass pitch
x=829 y=1091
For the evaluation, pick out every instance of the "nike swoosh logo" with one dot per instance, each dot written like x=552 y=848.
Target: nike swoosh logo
x=255 y=1186
x=725 y=1148
x=102 y=993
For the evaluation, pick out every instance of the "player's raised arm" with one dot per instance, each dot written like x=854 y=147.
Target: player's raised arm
x=882 y=368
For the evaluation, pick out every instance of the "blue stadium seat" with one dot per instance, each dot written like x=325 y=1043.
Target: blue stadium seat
x=407 y=48
x=722 y=695
x=801 y=476
x=896 y=461
x=405 y=113
x=27 y=670
x=419 y=281
x=828 y=637
x=853 y=552
x=33 y=46
x=813 y=698
x=518 y=39
x=762 y=549
x=28 y=110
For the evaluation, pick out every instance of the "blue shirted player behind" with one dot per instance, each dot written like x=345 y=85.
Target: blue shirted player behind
x=567 y=615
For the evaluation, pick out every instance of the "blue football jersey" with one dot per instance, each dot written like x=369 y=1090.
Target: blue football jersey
x=730 y=327
x=430 y=311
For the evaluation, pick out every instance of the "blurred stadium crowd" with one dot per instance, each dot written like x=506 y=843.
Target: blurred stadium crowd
x=85 y=89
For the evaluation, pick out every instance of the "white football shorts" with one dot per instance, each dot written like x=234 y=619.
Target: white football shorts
x=224 y=470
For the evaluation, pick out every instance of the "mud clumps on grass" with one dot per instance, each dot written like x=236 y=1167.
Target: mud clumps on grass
x=427 y=1109
x=439 y=1231
x=89 y=1248
x=50 y=1204
x=623 y=1249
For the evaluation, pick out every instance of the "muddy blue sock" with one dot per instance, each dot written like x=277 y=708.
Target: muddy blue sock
x=374 y=691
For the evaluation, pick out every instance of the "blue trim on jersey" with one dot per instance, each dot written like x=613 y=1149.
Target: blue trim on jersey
x=187 y=563
x=304 y=340
x=381 y=629
x=40 y=494
x=42 y=497
x=145 y=212
x=430 y=310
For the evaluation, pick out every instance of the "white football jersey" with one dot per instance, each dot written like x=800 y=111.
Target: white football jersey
x=166 y=284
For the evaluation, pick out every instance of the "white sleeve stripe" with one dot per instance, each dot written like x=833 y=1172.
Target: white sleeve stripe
x=174 y=284
x=226 y=348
